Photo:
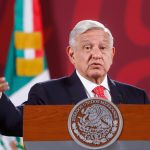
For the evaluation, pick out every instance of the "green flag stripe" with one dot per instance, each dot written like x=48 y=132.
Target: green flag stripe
x=20 y=54
x=15 y=82
x=10 y=65
x=19 y=15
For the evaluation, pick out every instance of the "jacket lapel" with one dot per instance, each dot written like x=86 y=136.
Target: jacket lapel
x=116 y=96
x=76 y=89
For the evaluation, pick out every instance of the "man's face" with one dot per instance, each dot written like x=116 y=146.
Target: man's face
x=92 y=55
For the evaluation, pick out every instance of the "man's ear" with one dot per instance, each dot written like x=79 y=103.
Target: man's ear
x=112 y=54
x=70 y=53
x=113 y=51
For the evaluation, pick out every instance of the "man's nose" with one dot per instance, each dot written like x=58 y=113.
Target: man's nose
x=96 y=53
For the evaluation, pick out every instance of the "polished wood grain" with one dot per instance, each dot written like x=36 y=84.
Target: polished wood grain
x=49 y=122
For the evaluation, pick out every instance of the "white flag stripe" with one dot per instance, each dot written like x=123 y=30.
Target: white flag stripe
x=28 y=16
x=29 y=53
x=21 y=95
x=7 y=142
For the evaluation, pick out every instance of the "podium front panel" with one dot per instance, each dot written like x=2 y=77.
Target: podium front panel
x=48 y=125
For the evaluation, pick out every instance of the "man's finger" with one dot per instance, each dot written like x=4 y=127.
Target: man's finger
x=2 y=79
x=4 y=86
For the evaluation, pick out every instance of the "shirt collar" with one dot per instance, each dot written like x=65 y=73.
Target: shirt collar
x=89 y=85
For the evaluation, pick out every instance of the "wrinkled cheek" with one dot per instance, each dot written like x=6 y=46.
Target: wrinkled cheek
x=81 y=65
x=108 y=63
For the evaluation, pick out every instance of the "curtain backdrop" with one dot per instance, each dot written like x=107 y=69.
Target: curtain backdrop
x=128 y=20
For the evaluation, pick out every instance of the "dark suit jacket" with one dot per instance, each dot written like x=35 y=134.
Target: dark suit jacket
x=67 y=90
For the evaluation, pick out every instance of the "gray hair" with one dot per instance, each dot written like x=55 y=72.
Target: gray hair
x=85 y=25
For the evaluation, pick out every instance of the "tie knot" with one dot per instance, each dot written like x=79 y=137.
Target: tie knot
x=99 y=91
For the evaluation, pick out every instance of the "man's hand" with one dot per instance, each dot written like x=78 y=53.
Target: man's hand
x=3 y=85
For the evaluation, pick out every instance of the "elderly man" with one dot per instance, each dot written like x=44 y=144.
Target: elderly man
x=91 y=52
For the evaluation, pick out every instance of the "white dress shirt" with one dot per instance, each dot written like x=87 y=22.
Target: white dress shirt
x=89 y=86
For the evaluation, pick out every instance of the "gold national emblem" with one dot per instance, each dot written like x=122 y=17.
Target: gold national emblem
x=95 y=123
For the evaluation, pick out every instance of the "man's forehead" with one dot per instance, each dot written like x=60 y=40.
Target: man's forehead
x=87 y=36
x=94 y=32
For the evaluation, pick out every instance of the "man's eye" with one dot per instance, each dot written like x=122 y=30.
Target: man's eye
x=102 y=47
x=88 y=47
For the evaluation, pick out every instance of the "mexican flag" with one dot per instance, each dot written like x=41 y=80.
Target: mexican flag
x=26 y=63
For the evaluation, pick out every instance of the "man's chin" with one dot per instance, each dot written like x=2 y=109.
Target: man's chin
x=97 y=74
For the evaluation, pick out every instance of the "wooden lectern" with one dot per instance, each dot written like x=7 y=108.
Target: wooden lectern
x=48 y=125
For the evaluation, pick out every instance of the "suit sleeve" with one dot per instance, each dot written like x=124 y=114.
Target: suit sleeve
x=10 y=117
x=147 y=100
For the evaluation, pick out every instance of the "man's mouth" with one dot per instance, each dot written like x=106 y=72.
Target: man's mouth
x=96 y=65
